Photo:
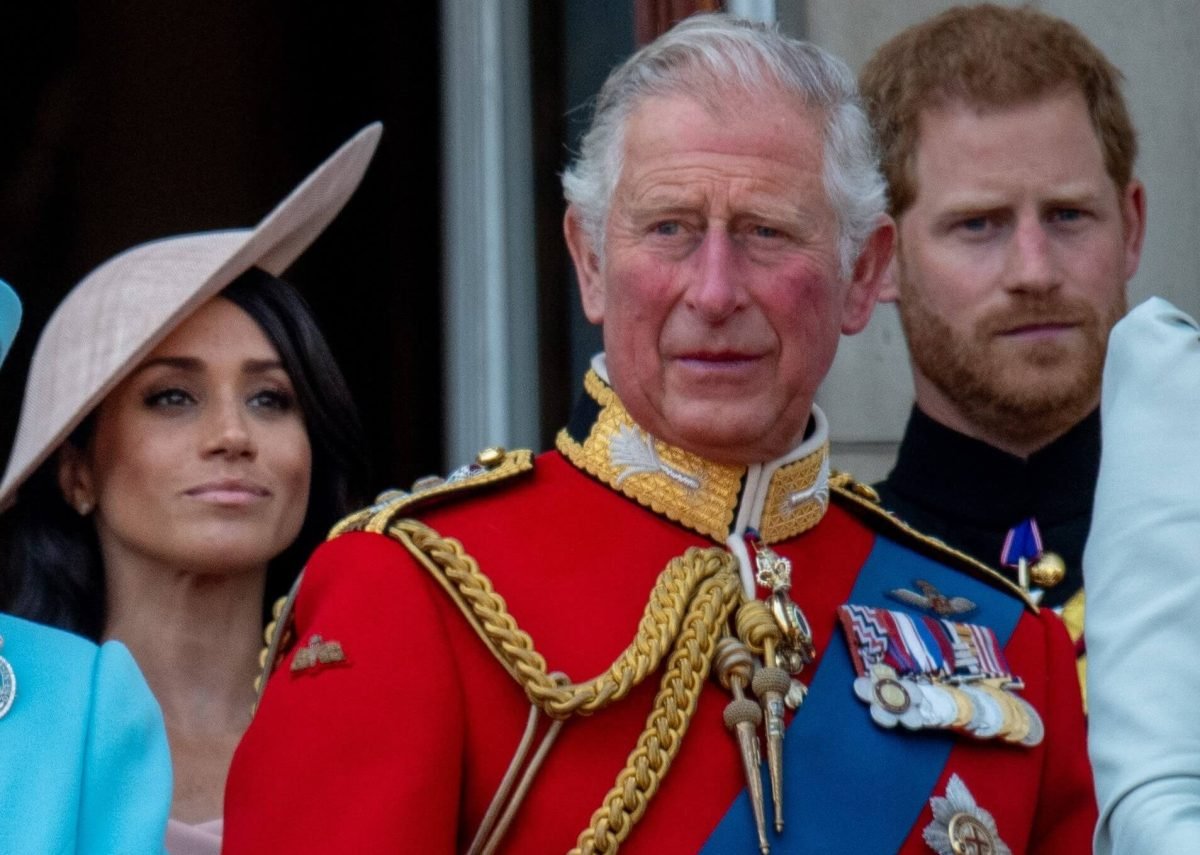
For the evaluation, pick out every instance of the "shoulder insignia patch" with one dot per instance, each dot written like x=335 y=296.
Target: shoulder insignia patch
x=862 y=501
x=492 y=466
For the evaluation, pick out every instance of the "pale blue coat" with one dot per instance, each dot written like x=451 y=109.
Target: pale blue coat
x=10 y=318
x=84 y=764
x=1142 y=577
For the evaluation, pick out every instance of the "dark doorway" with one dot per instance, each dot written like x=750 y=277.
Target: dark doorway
x=125 y=122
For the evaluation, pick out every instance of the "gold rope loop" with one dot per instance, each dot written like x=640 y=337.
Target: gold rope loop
x=688 y=610
x=733 y=664
x=756 y=627
x=659 y=625
x=674 y=705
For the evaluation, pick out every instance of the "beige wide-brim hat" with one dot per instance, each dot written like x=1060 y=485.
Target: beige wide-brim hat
x=121 y=310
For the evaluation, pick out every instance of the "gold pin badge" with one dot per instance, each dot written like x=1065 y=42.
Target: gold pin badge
x=318 y=652
x=931 y=599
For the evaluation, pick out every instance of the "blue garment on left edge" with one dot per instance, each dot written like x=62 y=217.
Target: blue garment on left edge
x=10 y=318
x=852 y=786
x=84 y=763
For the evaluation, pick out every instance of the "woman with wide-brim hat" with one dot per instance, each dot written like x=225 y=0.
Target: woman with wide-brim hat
x=86 y=767
x=184 y=441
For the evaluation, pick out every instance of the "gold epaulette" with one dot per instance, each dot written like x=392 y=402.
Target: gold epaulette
x=492 y=466
x=862 y=500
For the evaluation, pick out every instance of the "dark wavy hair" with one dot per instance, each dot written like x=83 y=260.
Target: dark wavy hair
x=50 y=565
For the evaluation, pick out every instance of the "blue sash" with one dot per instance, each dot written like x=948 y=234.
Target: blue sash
x=850 y=785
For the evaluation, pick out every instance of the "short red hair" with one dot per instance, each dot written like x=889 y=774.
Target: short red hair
x=988 y=56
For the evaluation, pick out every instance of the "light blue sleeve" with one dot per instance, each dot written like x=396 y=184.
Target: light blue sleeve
x=10 y=318
x=1142 y=577
x=126 y=792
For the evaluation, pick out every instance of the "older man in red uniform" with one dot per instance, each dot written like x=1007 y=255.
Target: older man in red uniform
x=677 y=632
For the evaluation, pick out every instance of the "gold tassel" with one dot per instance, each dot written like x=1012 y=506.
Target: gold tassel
x=734 y=668
x=771 y=685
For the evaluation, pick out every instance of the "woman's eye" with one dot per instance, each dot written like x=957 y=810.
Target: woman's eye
x=273 y=399
x=173 y=397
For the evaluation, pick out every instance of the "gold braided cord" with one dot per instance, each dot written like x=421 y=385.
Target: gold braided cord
x=688 y=610
x=674 y=705
x=674 y=589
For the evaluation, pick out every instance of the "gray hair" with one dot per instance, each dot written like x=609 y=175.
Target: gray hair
x=704 y=54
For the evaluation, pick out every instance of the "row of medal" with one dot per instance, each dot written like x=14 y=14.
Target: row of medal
x=921 y=672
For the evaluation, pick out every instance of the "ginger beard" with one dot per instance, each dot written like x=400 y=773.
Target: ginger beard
x=1018 y=391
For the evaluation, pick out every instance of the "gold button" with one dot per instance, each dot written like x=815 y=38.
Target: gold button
x=491 y=457
x=1048 y=570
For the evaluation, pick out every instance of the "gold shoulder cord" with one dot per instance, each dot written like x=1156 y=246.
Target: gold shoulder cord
x=688 y=611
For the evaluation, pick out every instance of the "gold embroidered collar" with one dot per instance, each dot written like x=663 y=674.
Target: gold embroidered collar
x=781 y=498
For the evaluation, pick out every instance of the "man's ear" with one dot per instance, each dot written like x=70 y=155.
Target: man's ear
x=75 y=479
x=587 y=265
x=1133 y=216
x=890 y=291
x=870 y=272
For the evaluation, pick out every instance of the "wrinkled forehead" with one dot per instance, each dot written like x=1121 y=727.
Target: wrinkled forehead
x=729 y=121
x=735 y=99
x=766 y=141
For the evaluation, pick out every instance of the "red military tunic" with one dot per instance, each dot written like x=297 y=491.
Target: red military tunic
x=401 y=746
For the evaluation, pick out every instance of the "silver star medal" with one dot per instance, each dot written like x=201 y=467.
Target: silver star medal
x=8 y=684
x=960 y=825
